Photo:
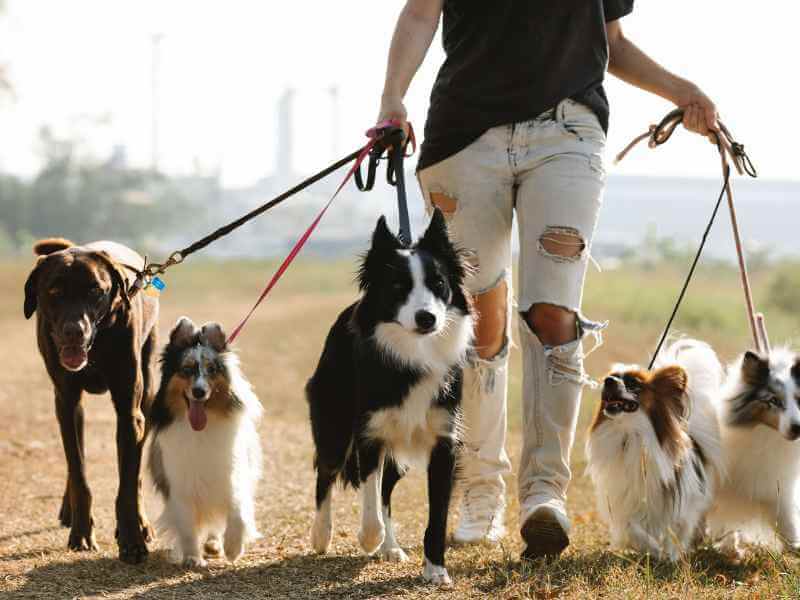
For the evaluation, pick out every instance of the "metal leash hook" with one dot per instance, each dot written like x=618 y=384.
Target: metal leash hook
x=148 y=276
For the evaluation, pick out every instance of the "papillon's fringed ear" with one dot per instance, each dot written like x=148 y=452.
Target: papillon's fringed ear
x=669 y=385
x=184 y=333
x=212 y=334
x=755 y=368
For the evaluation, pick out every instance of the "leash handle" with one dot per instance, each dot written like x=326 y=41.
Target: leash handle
x=730 y=151
x=391 y=140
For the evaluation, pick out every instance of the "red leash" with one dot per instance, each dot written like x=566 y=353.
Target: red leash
x=375 y=134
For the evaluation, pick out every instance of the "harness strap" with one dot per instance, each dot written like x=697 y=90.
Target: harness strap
x=730 y=151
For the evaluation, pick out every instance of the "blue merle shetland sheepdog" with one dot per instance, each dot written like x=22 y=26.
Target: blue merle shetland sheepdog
x=387 y=389
x=205 y=453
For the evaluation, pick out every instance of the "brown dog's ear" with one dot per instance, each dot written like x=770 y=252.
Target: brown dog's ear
x=213 y=335
x=119 y=291
x=184 y=333
x=31 y=291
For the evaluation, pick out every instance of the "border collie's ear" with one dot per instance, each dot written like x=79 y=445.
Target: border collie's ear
x=212 y=334
x=755 y=368
x=796 y=370
x=183 y=333
x=436 y=240
x=31 y=291
x=670 y=381
x=383 y=238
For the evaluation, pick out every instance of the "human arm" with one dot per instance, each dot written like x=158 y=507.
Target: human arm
x=412 y=37
x=628 y=62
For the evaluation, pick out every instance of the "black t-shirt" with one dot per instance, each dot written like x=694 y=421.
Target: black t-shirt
x=510 y=60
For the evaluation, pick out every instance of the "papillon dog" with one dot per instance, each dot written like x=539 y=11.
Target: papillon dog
x=205 y=453
x=654 y=450
x=759 y=415
x=387 y=390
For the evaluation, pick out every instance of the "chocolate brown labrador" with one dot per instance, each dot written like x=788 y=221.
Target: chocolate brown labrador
x=94 y=338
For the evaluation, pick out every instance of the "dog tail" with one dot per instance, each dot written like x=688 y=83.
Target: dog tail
x=50 y=245
x=350 y=475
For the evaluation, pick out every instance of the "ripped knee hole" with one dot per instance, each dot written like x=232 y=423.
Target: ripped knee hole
x=562 y=243
x=490 y=328
x=447 y=204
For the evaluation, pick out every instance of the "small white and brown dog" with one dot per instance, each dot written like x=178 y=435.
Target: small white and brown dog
x=654 y=450
x=205 y=453
x=759 y=413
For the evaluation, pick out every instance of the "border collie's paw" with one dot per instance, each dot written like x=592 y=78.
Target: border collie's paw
x=371 y=537
x=321 y=533
x=194 y=562
x=393 y=555
x=436 y=575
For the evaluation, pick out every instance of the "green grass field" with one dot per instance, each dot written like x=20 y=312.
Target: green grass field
x=279 y=349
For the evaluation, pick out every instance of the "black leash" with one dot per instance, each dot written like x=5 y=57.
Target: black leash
x=728 y=148
x=394 y=143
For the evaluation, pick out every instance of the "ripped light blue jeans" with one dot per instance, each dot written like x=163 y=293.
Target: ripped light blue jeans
x=550 y=172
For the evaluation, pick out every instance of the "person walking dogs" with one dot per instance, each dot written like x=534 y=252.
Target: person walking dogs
x=517 y=122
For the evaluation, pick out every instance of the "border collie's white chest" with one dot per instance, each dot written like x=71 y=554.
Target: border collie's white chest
x=410 y=431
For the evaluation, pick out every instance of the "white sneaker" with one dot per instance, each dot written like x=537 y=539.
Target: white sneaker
x=481 y=518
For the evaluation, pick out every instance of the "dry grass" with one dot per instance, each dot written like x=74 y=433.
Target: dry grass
x=279 y=350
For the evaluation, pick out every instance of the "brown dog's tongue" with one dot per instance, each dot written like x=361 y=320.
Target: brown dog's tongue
x=197 y=415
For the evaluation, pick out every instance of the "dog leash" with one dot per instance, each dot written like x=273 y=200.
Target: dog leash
x=394 y=142
x=730 y=151
x=377 y=139
x=148 y=275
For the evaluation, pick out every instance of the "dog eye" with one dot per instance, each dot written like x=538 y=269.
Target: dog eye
x=438 y=286
x=187 y=370
x=96 y=292
x=632 y=384
x=54 y=291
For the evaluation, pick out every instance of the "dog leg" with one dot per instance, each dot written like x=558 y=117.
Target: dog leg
x=643 y=541
x=235 y=530
x=78 y=496
x=441 y=470
x=372 y=529
x=787 y=525
x=133 y=530
x=322 y=530
x=390 y=550
x=181 y=520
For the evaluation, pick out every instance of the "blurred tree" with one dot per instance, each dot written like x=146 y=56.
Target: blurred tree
x=83 y=199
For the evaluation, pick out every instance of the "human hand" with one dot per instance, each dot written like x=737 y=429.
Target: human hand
x=392 y=108
x=699 y=111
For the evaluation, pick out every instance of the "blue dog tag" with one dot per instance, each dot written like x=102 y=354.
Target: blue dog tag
x=158 y=284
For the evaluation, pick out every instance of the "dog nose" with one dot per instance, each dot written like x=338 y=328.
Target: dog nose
x=198 y=392
x=72 y=333
x=794 y=431
x=425 y=320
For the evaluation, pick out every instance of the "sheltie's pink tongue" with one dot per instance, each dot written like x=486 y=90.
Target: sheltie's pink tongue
x=197 y=415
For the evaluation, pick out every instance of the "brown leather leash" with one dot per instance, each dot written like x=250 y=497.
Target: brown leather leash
x=730 y=151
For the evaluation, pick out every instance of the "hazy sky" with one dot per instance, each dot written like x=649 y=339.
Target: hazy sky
x=224 y=65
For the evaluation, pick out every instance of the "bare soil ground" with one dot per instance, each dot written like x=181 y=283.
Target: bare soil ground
x=279 y=349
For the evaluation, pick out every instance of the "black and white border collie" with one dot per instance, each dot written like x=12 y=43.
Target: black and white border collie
x=387 y=389
x=759 y=412
x=205 y=453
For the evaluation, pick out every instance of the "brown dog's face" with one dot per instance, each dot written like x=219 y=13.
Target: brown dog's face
x=72 y=292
